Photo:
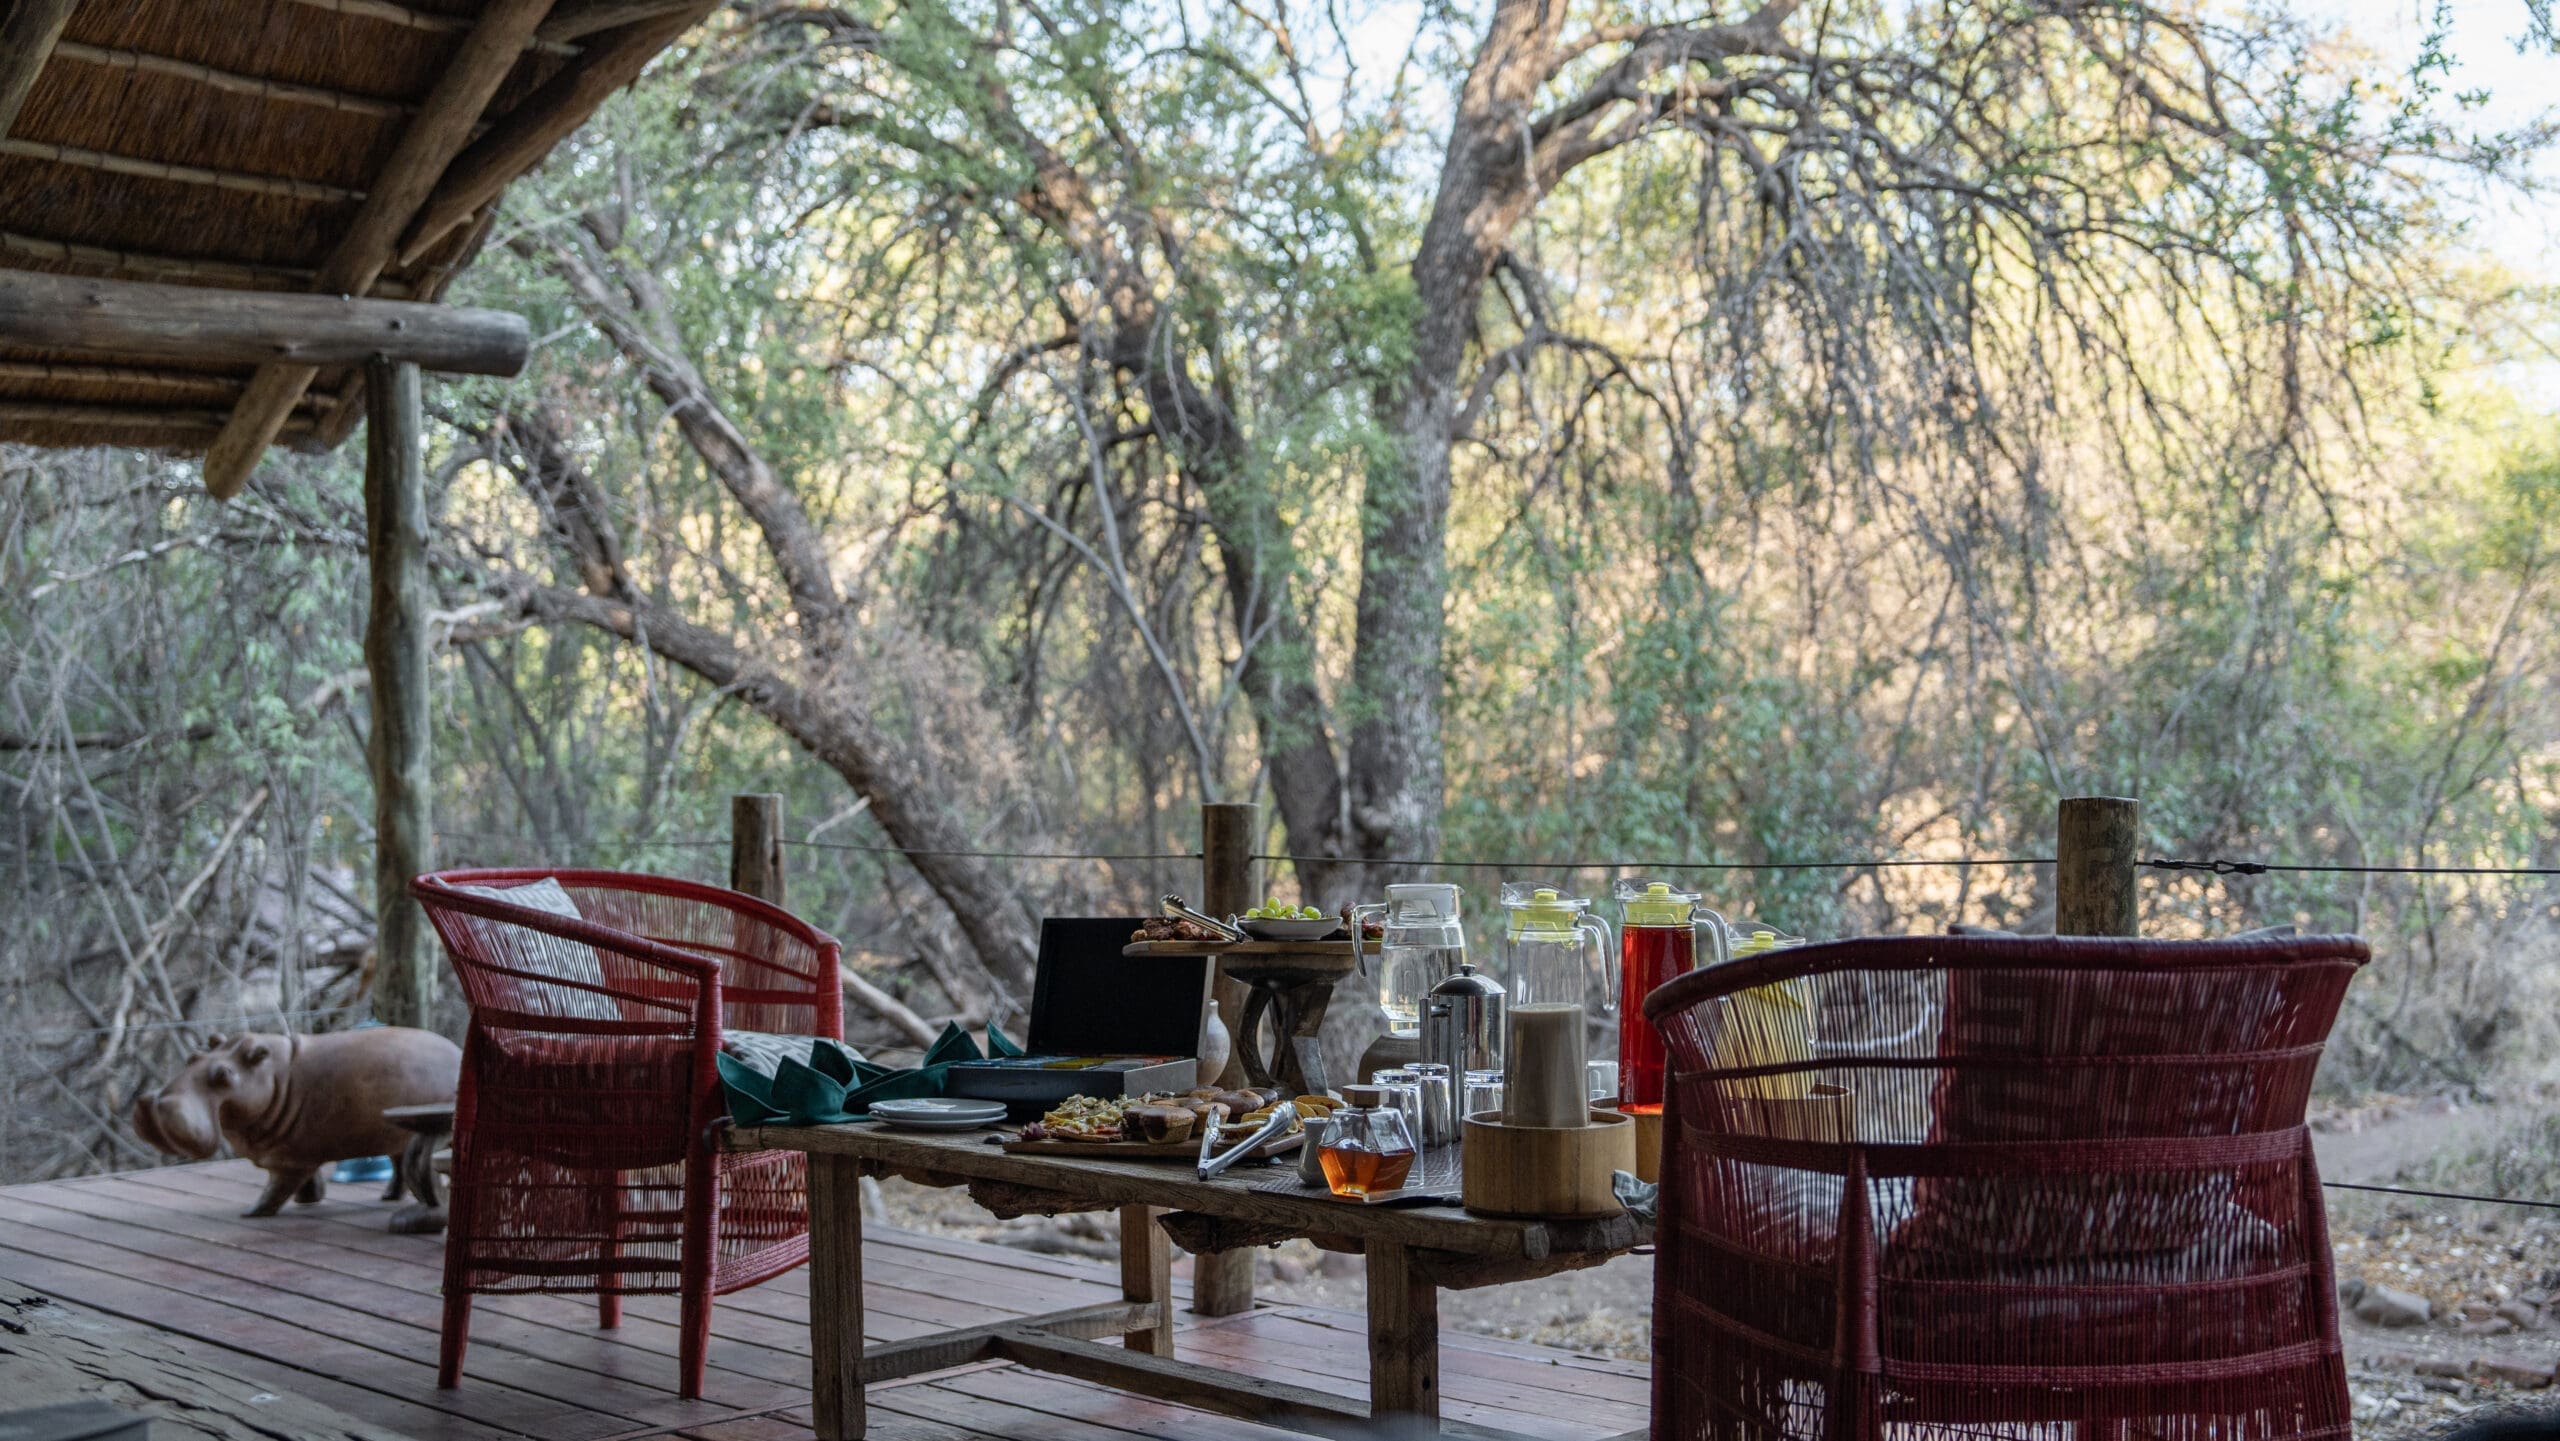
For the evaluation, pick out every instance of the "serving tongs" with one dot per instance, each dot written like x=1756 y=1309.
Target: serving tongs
x=1210 y=1165
x=1223 y=930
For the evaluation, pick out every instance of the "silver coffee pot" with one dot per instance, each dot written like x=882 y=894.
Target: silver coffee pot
x=1462 y=1022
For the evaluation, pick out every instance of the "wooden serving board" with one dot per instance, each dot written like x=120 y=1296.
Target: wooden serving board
x=1143 y=1150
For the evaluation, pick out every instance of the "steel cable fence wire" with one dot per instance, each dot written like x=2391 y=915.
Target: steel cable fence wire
x=2213 y=866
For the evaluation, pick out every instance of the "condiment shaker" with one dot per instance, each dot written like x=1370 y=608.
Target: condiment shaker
x=1311 y=1154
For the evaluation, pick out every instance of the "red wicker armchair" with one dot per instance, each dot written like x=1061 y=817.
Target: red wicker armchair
x=1998 y=1186
x=583 y=1151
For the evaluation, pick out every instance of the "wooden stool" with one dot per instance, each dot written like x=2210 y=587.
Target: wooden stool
x=427 y=1127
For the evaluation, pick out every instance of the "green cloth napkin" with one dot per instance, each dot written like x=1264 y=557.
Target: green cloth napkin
x=833 y=1087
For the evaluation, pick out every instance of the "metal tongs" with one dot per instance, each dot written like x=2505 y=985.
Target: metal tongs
x=1282 y=1115
x=1223 y=930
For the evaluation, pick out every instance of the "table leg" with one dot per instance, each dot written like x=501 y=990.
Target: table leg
x=835 y=1298
x=1146 y=1274
x=1404 y=1335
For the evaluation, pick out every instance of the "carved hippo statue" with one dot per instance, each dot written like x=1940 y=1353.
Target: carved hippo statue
x=293 y=1104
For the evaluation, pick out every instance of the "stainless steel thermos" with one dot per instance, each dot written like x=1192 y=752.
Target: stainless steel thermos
x=1462 y=1022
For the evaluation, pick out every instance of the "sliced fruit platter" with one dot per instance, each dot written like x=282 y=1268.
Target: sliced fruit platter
x=1168 y=1125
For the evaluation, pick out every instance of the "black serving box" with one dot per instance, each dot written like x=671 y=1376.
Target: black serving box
x=1102 y=1024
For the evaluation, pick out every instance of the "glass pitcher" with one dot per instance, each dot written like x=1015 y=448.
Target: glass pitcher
x=1664 y=933
x=1557 y=953
x=1657 y=943
x=1422 y=945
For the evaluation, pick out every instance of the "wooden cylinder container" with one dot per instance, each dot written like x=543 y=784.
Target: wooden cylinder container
x=1543 y=1170
x=1648 y=1124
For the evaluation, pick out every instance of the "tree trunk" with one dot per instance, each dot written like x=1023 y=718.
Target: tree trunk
x=1396 y=771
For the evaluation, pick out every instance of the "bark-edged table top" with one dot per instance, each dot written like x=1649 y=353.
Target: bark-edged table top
x=968 y=1156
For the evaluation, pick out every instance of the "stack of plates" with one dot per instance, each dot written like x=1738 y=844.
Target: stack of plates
x=938 y=1114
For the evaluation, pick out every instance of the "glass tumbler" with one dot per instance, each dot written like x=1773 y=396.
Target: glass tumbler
x=1439 y=1113
x=1401 y=1091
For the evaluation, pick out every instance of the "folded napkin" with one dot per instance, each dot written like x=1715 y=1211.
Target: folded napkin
x=835 y=1084
x=1639 y=1197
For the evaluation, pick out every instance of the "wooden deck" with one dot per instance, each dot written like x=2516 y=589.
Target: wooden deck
x=323 y=1303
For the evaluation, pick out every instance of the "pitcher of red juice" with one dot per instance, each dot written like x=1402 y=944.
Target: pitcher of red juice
x=1656 y=943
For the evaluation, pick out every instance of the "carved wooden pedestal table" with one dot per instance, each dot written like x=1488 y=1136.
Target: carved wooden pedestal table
x=1412 y=1254
x=1290 y=984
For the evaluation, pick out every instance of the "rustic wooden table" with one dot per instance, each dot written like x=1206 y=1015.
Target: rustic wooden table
x=1413 y=1253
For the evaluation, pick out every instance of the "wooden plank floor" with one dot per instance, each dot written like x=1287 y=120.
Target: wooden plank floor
x=321 y=1301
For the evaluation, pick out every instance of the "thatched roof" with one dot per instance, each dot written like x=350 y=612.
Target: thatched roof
x=273 y=145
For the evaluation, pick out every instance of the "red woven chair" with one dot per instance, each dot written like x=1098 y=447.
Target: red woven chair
x=1998 y=1186
x=584 y=1156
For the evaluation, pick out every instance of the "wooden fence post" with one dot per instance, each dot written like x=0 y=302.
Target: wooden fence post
x=1227 y=887
x=2096 y=843
x=1222 y=1281
x=755 y=846
x=396 y=660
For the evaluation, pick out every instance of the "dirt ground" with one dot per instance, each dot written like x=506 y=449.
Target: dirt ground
x=2466 y=1259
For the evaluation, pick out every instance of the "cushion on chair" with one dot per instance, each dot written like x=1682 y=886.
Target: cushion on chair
x=545 y=954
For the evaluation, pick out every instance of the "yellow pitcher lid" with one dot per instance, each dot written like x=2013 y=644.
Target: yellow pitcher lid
x=1656 y=903
x=1537 y=909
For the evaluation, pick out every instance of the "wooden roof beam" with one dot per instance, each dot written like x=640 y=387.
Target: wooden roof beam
x=82 y=158
x=131 y=320
x=519 y=142
x=27 y=37
x=576 y=19
x=230 y=81
x=231 y=273
x=442 y=127
x=176 y=425
x=412 y=18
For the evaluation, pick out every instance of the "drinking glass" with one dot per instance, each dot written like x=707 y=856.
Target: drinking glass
x=1604 y=1081
x=1402 y=1090
x=1439 y=1121
x=1484 y=1093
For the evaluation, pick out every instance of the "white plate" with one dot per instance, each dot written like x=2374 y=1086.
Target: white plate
x=938 y=1114
x=919 y=1123
x=1315 y=930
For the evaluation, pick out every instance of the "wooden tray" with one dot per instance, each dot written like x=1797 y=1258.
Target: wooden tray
x=1144 y=1150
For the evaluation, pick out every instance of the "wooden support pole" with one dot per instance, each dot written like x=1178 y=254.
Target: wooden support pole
x=1146 y=1276
x=835 y=1298
x=1404 y=1335
x=1222 y=1281
x=28 y=34
x=2096 y=843
x=496 y=41
x=135 y=319
x=395 y=658
x=755 y=846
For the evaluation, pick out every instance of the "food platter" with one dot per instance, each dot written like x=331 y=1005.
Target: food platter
x=1173 y=1127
